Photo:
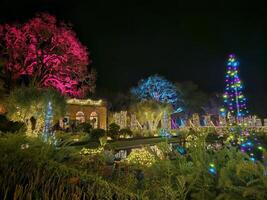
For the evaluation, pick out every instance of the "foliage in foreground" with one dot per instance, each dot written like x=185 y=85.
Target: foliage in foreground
x=30 y=170
x=38 y=171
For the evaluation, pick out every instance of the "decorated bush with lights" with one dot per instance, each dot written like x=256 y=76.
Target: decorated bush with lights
x=251 y=145
x=233 y=97
x=247 y=142
x=141 y=157
x=92 y=158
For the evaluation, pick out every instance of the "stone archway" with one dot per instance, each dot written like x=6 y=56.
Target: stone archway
x=80 y=118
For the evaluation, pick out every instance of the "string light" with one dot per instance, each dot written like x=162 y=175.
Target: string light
x=48 y=122
x=85 y=102
x=212 y=169
x=181 y=150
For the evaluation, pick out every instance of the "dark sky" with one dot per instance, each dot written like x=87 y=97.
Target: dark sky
x=181 y=40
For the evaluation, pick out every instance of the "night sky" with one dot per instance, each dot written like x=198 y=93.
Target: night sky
x=130 y=40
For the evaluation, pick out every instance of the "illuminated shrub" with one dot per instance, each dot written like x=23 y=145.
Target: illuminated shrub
x=91 y=152
x=92 y=158
x=141 y=157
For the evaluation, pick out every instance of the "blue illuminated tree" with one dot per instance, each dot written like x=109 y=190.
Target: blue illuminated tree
x=159 y=89
x=48 y=122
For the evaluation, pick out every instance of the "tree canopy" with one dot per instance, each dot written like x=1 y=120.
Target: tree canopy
x=159 y=89
x=46 y=53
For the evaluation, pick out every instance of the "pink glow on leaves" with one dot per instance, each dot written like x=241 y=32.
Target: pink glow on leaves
x=49 y=53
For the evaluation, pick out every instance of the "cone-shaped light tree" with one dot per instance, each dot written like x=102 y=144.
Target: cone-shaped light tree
x=233 y=97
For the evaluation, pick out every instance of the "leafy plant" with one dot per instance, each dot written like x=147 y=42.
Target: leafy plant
x=126 y=132
x=34 y=173
x=84 y=127
x=97 y=133
x=114 y=130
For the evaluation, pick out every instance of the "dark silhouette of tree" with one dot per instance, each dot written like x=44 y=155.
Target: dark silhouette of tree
x=193 y=98
x=213 y=104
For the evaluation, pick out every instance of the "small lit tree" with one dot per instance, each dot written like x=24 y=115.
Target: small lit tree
x=150 y=112
x=48 y=120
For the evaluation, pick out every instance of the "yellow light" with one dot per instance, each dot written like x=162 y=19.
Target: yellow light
x=260 y=148
x=212 y=165
x=84 y=102
x=141 y=157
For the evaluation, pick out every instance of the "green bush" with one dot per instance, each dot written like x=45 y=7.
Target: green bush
x=97 y=133
x=84 y=127
x=9 y=126
x=126 y=132
x=114 y=131
x=103 y=141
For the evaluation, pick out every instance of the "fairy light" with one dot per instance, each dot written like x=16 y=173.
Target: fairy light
x=48 y=122
x=141 y=157
x=85 y=102
x=212 y=169
x=251 y=145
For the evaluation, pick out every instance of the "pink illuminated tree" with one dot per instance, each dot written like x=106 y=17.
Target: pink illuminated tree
x=48 y=54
